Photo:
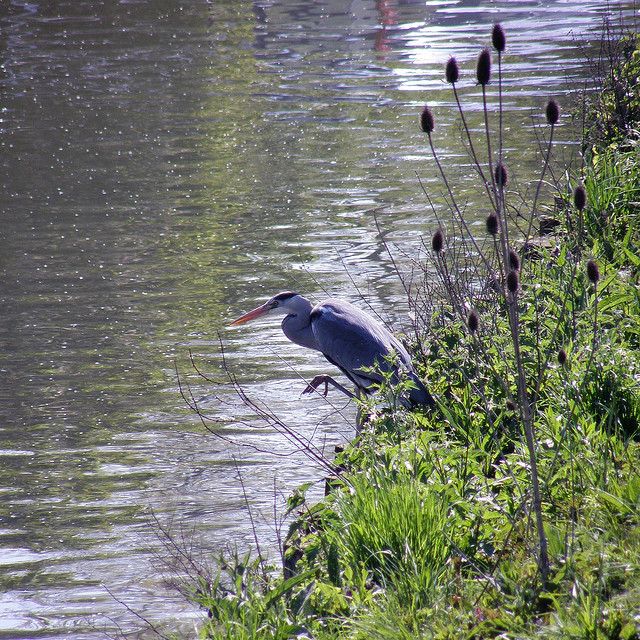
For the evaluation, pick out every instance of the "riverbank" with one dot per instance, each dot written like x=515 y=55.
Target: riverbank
x=512 y=509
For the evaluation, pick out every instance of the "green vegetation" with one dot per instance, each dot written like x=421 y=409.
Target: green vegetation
x=513 y=509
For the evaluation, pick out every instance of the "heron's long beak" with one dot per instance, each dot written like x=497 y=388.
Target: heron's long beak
x=256 y=313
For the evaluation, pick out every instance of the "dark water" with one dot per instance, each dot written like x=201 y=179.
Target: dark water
x=164 y=166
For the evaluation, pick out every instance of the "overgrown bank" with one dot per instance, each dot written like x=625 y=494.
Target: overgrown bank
x=513 y=509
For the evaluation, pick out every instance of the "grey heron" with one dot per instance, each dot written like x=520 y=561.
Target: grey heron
x=359 y=345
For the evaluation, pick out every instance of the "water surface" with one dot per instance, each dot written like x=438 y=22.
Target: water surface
x=165 y=166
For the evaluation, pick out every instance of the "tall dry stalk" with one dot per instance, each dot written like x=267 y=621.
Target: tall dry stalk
x=500 y=266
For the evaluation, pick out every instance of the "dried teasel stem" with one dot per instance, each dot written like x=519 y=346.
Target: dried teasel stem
x=437 y=242
x=593 y=273
x=451 y=71
x=514 y=260
x=552 y=111
x=451 y=74
x=426 y=120
x=492 y=224
x=580 y=197
x=483 y=67
x=473 y=321
x=501 y=175
x=580 y=202
x=498 y=39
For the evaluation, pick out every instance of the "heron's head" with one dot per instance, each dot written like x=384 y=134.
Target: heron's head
x=284 y=302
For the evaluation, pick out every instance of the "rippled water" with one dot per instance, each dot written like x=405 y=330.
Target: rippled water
x=165 y=166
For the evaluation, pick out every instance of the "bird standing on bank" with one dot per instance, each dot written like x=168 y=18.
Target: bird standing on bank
x=350 y=339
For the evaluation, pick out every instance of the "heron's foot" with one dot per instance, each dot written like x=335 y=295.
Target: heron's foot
x=315 y=383
x=326 y=381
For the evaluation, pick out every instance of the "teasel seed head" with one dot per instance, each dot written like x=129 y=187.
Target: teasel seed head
x=451 y=72
x=552 y=111
x=497 y=38
x=593 y=273
x=580 y=197
x=514 y=261
x=437 y=241
x=492 y=224
x=562 y=357
x=512 y=281
x=483 y=67
x=473 y=321
x=501 y=175
x=426 y=120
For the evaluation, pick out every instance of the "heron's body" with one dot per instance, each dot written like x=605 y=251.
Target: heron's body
x=350 y=339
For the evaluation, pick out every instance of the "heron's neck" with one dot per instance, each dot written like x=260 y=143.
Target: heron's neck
x=297 y=325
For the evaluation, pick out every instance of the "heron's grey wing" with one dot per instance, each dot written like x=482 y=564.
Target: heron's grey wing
x=351 y=339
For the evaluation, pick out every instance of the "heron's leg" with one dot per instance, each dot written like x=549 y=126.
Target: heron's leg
x=326 y=381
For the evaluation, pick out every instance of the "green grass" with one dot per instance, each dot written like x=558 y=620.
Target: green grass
x=433 y=538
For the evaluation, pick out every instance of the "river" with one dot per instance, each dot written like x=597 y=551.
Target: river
x=166 y=166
